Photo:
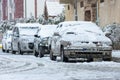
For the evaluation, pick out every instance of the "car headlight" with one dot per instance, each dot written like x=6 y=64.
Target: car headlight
x=108 y=43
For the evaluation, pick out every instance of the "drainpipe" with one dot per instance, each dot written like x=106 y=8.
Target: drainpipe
x=76 y=15
x=25 y=9
x=97 y=20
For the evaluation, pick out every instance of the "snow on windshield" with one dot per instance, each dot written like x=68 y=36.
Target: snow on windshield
x=84 y=32
x=47 y=30
x=85 y=28
x=28 y=30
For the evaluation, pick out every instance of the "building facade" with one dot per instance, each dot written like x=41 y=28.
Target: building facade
x=103 y=12
x=15 y=9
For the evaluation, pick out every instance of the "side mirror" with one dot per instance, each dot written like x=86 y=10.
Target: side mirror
x=16 y=35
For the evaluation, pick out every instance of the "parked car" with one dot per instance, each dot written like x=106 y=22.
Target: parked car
x=23 y=37
x=81 y=40
x=41 y=41
x=6 y=41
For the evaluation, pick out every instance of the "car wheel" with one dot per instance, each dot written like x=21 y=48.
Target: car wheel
x=3 y=49
x=35 y=53
x=41 y=52
x=13 y=52
x=7 y=51
x=19 y=50
x=90 y=60
x=52 y=57
x=63 y=57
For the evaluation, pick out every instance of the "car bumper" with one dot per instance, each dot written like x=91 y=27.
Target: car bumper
x=27 y=47
x=88 y=53
x=8 y=46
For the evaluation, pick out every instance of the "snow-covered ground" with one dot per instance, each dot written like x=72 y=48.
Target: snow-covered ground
x=28 y=67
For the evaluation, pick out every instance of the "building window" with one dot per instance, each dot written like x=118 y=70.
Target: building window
x=81 y=4
x=101 y=1
x=68 y=7
x=93 y=5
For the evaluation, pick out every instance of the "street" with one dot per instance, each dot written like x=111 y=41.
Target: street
x=28 y=67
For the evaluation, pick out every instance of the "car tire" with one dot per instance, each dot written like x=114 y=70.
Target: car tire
x=3 y=50
x=63 y=57
x=19 y=50
x=41 y=52
x=13 y=52
x=35 y=53
x=7 y=51
x=90 y=60
x=52 y=57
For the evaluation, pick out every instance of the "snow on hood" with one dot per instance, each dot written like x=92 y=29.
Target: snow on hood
x=85 y=32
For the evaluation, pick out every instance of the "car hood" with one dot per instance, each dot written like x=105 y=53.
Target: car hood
x=91 y=37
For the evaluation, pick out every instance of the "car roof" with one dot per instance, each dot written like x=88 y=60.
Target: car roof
x=28 y=24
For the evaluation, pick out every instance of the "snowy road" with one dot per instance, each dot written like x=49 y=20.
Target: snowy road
x=28 y=67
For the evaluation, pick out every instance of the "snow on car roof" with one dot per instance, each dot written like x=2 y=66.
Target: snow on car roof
x=28 y=28
x=71 y=23
x=47 y=30
x=28 y=25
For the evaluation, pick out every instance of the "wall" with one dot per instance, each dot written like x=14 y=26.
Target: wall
x=40 y=7
x=29 y=8
x=109 y=12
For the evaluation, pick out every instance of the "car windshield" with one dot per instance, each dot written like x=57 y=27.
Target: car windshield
x=28 y=30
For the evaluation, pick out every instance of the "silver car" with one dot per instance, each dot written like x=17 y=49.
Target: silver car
x=83 y=40
x=23 y=37
x=42 y=39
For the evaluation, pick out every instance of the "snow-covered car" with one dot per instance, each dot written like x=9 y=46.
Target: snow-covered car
x=83 y=40
x=6 y=41
x=42 y=39
x=23 y=37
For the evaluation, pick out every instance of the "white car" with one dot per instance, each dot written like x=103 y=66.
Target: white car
x=42 y=39
x=6 y=41
x=83 y=40
x=23 y=37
